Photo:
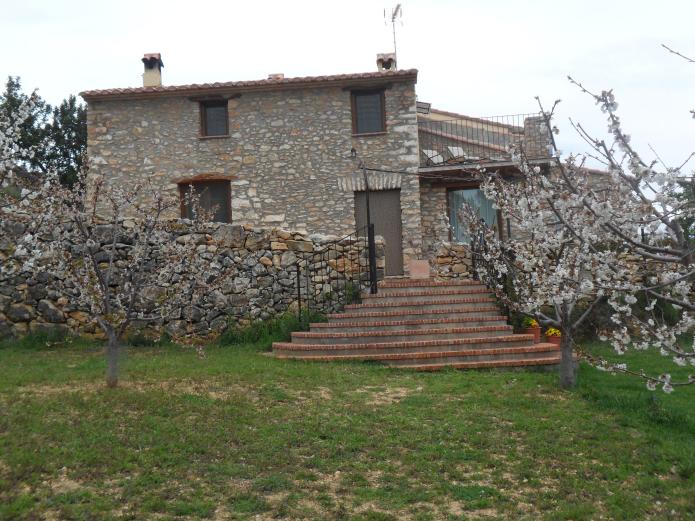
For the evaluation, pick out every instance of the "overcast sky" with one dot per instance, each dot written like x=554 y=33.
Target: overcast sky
x=480 y=58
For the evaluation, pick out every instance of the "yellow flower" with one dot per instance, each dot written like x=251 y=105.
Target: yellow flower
x=551 y=331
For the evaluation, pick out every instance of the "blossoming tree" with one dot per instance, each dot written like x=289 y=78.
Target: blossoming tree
x=110 y=250
x=583 y=237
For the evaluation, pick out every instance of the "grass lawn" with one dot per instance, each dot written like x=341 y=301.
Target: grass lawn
x=238 y=435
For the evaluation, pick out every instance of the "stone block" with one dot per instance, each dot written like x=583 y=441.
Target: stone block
x=459 y=268
x=303 y=246
x=50 y=312
x=230 y=236
x=288 y=258
x=20 y=313
x=79 y=316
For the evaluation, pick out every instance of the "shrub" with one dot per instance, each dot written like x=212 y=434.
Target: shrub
x=263 y=333
x=529 y=322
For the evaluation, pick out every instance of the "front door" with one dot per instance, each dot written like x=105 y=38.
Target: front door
x=385 y=209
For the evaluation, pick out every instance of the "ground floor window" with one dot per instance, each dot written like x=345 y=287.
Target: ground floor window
x=212 y=196
x=475 y=198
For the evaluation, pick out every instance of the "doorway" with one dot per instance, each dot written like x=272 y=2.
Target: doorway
x=385 y=209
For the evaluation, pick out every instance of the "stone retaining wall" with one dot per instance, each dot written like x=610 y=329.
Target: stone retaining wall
x=262 y=266
x=452 y=261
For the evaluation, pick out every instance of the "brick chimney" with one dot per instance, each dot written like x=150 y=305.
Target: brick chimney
x=152 y=77
x=386 y=61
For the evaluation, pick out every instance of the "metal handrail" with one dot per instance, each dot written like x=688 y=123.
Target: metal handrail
x=325 y=265
x=503 y=285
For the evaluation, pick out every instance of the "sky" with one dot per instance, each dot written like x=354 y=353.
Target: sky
x=476 y=57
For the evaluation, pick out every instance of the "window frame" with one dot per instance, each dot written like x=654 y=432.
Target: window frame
x=203 y=106
x=353 y=106
x=452 y=187
x=184 y=186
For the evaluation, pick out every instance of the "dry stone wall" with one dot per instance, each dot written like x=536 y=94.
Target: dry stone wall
x=262 y=265
x=452 y=261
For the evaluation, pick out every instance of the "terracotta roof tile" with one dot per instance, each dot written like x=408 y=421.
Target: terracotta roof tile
x=265 y=84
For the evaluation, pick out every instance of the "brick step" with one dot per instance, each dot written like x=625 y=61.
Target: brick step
x=546 y=362
x=436 y=288
x=407 y=360
x=409 y=346
x=418 y=283
x=452 y=304
x=428 y=295
x=445 y=312
x=332 y=337
x=476 y=355
x=426 y=323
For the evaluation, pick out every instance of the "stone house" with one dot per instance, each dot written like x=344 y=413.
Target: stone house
x=288 y=153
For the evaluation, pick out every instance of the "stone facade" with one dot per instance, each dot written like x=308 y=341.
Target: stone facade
x=261 y=267
x=287 y=154
x=435 y=221
x=452 y=261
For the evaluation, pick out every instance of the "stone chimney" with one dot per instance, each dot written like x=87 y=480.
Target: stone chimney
x=386 y=61
x=152 y=77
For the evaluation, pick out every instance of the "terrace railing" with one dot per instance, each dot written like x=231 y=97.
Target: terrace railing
x=480 y=140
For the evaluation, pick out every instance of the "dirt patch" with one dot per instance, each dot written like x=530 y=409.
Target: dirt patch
x=210 y=388
x=221 y=514
x=485 y=513
x=51 y=515
x=313 y=395
x=456 y=508
x=379 y=395
x=62 y=484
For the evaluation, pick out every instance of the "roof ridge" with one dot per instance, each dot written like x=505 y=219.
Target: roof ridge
x=247 y=84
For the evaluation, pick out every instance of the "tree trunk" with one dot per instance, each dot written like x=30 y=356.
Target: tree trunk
x=112 y=352
x=568 y=373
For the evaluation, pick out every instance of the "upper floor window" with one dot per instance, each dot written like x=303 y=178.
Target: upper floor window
x=213 y=197
x=213 y=118
x=368 y=114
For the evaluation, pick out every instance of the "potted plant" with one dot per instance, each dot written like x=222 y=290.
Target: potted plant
x=529 y=326
x=553 y=336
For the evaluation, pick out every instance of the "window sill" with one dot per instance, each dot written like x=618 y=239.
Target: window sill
x=223 y=136
x=368 y=134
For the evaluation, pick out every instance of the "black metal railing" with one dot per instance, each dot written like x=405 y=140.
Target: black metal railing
x=501 y=283
x=335 y=275
x=476 y=140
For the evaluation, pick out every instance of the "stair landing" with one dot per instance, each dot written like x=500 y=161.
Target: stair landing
x=421 y=324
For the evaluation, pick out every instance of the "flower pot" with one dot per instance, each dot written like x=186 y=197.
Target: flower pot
x=535 y=331
x=557 y=340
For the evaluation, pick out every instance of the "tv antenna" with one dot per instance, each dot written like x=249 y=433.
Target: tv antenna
x=396 y=13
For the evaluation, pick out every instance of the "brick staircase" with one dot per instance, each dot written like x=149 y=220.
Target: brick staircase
x=421 y=324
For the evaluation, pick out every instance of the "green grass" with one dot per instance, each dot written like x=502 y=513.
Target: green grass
x=239 y=435
x=262 y=333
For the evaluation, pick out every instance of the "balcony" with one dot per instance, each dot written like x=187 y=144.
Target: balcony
x=462 y=140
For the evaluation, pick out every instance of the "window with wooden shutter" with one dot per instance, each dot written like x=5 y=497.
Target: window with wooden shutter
x=213 y=118
x=368 y=116
x=212 y=196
